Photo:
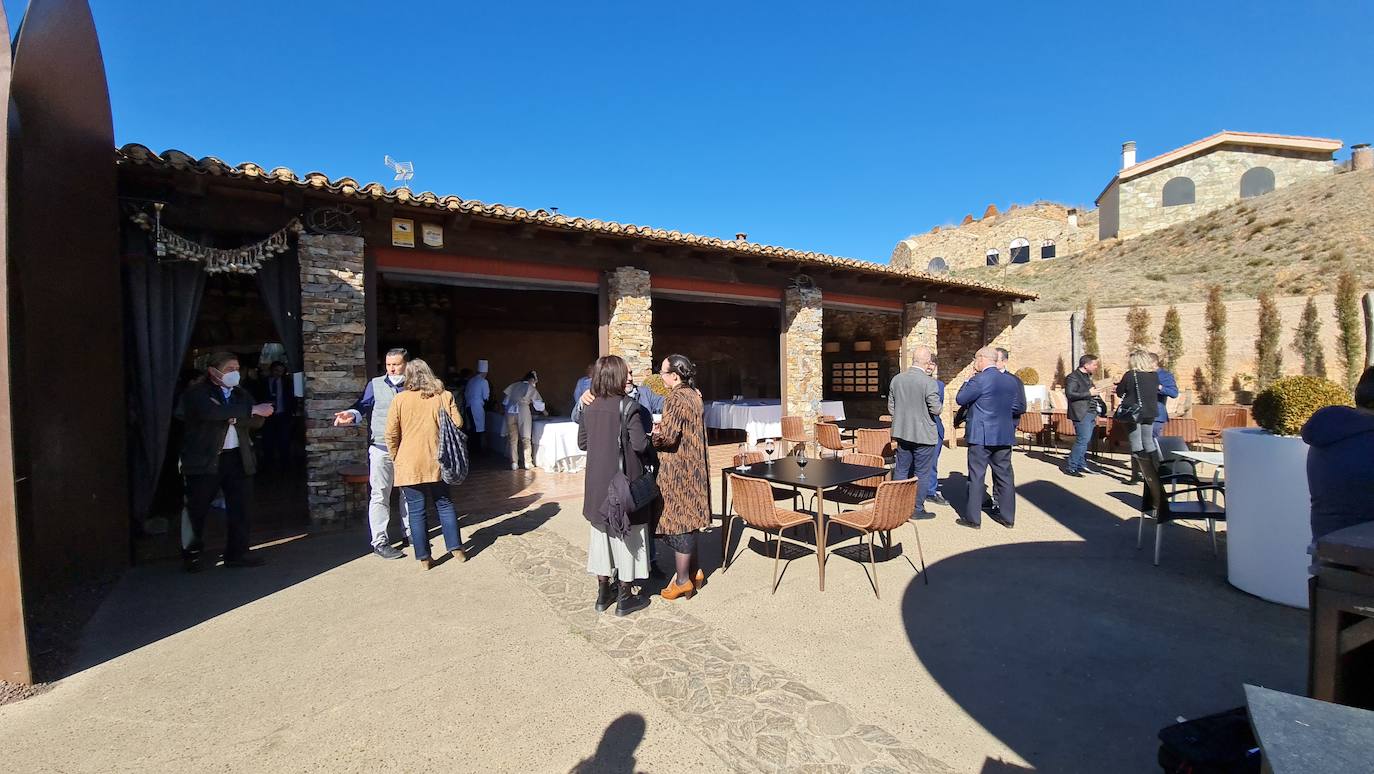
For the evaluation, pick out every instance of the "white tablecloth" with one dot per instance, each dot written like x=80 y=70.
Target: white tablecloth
x=555 y=443
x=757 y=418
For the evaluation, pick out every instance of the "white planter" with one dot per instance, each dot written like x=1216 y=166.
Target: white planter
x=1268 y=515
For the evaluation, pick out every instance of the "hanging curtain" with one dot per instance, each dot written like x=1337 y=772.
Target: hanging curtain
x=279 y=284
x=161 y=302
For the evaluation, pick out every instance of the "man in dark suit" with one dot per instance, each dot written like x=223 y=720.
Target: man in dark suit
x=280 y=390
x=995 y=401
x=217 y=455
x=913 y=400
x=1083 y=397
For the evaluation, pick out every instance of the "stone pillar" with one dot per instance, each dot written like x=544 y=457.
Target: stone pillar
x=997 y=327
x=333 y=329
x=630 y=329
x=918 y=328
x=802 y=378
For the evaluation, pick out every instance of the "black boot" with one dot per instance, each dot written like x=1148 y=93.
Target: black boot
x=605 y=594
x=628 y=601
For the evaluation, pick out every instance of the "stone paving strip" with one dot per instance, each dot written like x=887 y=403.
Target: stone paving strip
x=754 y=715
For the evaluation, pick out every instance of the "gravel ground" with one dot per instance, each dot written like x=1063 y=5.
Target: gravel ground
x=10 y=692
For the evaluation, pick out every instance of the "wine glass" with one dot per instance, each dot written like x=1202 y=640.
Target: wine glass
x=743 y=450
x=801 y=462
x=768 y=448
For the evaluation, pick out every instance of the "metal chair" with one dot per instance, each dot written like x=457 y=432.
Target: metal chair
x=828 y=439
x=1166 y=509
x=753 y=505
x=890 y=509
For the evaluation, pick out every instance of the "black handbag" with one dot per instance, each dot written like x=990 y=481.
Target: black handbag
x=1126 y=413
x=643 y=490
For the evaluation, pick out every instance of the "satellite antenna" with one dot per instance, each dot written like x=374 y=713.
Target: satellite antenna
x=405 y=170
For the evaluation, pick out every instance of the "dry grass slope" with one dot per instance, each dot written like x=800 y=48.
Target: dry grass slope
x=1294 y=241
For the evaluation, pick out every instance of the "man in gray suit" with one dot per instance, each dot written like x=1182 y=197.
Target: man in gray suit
x=913 y=400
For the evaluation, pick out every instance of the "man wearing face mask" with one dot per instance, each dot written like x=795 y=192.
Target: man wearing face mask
x=376 y=402
x=217 y=455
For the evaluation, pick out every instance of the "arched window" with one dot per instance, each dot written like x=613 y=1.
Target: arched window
x=1047 y=249
x=937 y=265
x=1256 y=181
x=1020 y=250
x=1178 y=191
x=994 y=257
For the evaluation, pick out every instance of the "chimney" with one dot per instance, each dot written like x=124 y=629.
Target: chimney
x=1361 y=157
x=741 y=237
x=1128 y=154
x=1073 y=218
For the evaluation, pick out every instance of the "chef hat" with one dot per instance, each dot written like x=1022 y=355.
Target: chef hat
x=481 y=366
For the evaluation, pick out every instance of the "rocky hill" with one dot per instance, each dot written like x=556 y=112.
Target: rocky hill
x=1295 y=241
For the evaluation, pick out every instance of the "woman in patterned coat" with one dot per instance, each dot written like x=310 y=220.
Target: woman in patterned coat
x=682 y=478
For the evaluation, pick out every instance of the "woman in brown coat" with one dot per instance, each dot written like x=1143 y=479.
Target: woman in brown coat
x=412 y=438
x=682 y=478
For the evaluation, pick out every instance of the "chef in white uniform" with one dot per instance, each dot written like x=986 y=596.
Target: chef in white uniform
x=475 y=396
x=522 y=402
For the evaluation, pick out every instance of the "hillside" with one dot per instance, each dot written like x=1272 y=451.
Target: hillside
x=1294 y=241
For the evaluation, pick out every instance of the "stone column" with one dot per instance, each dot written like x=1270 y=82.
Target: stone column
x=802 y=325
x=918 y=329
x=333 y=328
x=631 y=325
x=997 y=327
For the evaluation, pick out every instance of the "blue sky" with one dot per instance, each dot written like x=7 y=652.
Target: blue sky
x=837 y=127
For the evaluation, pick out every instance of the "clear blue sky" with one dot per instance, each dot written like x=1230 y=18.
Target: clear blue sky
x=838 y=127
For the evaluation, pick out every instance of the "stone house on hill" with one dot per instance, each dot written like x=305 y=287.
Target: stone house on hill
x=1020 y=235
x=1204 y=176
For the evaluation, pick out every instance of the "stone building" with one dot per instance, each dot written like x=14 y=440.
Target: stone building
x=1204 y=176
x=1040 y=231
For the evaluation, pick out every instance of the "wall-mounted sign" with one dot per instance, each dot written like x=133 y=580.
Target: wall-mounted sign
x=432 y=234
x=402 y=232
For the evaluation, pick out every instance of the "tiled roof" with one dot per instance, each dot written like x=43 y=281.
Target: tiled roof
x=349 y=188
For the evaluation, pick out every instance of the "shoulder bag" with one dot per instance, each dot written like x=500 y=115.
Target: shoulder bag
x=453 y=448
x=1131 y=413
x=643 y=490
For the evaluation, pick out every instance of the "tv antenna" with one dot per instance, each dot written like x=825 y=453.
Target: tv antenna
x=405 y=170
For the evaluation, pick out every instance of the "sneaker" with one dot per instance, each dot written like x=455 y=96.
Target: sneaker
x=387 y=552
x=1074 y=473
x=937 y=498
x=514 y=466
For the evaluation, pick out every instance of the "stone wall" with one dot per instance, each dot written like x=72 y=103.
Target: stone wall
x=919 y=328
x=965 y=247
x=631 y=325
x=333 y=327
x=1216 y=181
x=1038 y=340
x=804 y=325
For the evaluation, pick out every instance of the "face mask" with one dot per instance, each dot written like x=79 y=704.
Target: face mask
x=230 y=380
x=398 y=379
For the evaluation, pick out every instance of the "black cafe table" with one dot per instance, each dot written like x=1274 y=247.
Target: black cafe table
x=862 y=424
x=819 y=475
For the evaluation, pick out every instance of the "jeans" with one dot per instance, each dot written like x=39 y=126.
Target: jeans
x=932 y=476
x=1159 y=430
x=1142 y=438
x=1084 y=428
x=914 y=461
x=414 y=498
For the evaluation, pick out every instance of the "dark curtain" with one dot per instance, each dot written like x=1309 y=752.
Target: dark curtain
x=161 y=301
x=279 y=284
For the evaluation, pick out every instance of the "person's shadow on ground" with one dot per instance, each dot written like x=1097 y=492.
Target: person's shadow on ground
x=616 y=752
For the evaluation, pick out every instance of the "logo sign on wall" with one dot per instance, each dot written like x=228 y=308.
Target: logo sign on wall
x=432 y=234
x=402 y=232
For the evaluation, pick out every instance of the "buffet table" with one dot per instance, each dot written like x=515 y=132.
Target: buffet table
x=554 y=438
x=758 y=418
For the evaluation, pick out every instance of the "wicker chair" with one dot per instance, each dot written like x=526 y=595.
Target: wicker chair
x=891 y=509
x=1230 y=418
x=875 y=442
x=885 y=418
x=1062 y=427
x=863 y=491
x=1032 y=423
x=793 y=434
x=828 y=439
x=779 y=494
x=754 y=506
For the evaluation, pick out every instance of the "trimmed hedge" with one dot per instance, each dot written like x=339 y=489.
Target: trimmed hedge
x=1288 y=403
x=1028 y=375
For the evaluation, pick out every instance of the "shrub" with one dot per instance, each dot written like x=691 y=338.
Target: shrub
x=1171 y=339
x=654 y=383
x=1216 y=344
x=1028 y=375
x=1289 y=402
x=1090 y=330
x=1307 y=341
x=1268 y=350
x=1138 y=328
x=1349 y=337
x=1060 y=372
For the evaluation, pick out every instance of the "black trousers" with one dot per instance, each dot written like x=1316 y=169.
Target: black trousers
x=998 y=458
x=201 y=490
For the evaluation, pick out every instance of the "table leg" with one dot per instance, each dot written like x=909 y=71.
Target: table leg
x=724 y=514
x=820 y=533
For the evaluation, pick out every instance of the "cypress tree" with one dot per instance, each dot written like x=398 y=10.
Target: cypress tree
x=1090 y=330
x=1171 y=338
x=1268 y=350
x=1138 y=325
x=1307 y=340
x=1216 y=344
x=1348 y=333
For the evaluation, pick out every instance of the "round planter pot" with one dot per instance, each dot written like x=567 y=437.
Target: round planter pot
x=1268 y=515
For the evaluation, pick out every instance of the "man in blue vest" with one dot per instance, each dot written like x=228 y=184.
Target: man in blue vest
x=376 y=400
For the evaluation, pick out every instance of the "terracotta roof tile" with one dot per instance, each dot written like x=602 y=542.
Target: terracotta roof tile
x=139 y=155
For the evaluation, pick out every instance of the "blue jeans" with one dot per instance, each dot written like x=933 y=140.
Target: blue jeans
x=914 y=461
x=1085 y=429
x=932 y=476
x=414 y=500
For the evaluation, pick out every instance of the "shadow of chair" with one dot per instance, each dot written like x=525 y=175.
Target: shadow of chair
x=753 y=505
x=893 y=506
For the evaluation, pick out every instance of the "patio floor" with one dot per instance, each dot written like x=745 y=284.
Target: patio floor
x=1053 y=647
